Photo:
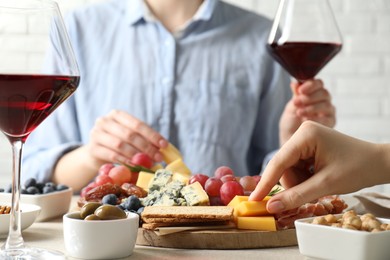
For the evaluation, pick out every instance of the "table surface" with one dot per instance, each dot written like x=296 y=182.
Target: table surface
x=50 y=235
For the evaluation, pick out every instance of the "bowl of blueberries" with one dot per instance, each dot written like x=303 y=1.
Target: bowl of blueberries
x=54 y=199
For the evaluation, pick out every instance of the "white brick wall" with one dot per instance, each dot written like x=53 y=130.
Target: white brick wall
x=358 y=77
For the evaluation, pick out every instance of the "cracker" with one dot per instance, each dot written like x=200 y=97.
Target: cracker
x=177 y=220
x=152 y=226
x=189 y=212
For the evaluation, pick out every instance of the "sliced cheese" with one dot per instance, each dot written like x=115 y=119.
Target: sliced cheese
x=237 y=200
x=263 y=223
x=144 y=178
x=170 y=153
x=252 y=208
x=179 y=166
x=157 y=166
x=184 y=178
x=195 y=195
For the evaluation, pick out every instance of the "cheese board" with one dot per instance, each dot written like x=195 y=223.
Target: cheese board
x=218 y=239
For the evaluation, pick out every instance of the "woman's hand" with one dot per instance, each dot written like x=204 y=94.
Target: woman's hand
x=319 y=161
x=311 y=101
x=117 y=136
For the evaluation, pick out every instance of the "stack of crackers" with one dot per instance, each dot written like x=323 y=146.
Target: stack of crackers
x=171 y=216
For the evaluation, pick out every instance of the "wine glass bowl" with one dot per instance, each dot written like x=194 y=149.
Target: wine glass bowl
x=38 y=73
x=304 y=37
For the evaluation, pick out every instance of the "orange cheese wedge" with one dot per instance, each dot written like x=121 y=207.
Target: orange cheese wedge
x=252 y=208
x=263 y=223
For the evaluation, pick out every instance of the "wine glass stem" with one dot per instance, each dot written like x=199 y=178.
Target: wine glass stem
x=15 y=239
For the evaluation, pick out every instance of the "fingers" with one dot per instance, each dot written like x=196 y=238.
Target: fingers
x=289 y=155
x=118 y=136
x=139 y=127
x=313 y=102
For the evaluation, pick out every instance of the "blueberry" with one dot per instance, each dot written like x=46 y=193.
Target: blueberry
x=40 y=186
x=140 y=210
x=132 y=203
x=2 y=190
x=110 y=199
x=61 y=187
x=23 y=191
x=50 y=184
x=30 y=182
x=32 y=190
x=47 y=189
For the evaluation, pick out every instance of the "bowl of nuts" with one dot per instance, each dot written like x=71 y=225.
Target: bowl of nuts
x=100 y=231
x=344 y=236
x=28 y=215
x=53 y=199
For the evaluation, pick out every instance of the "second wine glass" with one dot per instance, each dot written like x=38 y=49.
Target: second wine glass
x=304 y=37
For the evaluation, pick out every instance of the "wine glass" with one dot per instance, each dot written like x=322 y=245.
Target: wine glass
x=38 y=72
x=304 y=37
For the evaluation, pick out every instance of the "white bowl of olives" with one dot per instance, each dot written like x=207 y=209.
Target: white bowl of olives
x=100 y=232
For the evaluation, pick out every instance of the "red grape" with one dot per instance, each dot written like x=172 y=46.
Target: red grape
x=87 y=188
x=103 y=179
x=120 y=174
x=226 y=178
x=105 y=168
x=248 y=183
x=142 y=159
x=222 y=171
x=256 y=178
x=199 y=177
x=229 y=190
x=134 y=177
x=212 y=186
x=215 y=201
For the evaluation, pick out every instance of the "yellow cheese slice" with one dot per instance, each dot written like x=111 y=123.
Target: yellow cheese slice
x=144 y=178
x=183 y=178
x=252 y=208
x=170 y=153
x=178 y=166
x=263 y=223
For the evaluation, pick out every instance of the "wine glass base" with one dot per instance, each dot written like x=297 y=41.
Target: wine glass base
x=31 y=253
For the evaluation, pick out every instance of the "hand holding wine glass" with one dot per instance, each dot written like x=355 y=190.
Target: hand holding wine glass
x=304 y=37
x=32 y=86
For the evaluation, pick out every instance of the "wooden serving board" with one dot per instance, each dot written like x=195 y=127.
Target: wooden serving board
x=218 y=239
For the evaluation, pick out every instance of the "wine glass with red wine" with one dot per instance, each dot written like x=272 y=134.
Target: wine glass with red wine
x=38 y=72
x=304 y=37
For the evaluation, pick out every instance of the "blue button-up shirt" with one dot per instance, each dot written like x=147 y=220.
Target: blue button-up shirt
x=210 y=89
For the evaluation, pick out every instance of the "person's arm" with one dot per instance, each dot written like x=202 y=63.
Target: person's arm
x=342 y=164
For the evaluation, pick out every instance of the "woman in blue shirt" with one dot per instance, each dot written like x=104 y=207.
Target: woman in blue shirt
x=194 y=73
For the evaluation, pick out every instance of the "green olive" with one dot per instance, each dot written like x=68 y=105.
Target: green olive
x=107 y=212
x=89 y=208
x=92 y=217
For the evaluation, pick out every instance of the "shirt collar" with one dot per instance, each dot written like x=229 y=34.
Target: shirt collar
x=137 y=11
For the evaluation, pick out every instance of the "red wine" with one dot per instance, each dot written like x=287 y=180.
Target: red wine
x=303 y=60
x=26 y=100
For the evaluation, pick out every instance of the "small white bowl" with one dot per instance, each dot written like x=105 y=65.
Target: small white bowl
x=53 y=204
x=335 y=243
x=29 y=214
x=100 y=239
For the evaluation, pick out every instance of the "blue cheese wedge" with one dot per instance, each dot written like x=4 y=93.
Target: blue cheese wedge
x=195 y=195
x=161 y=178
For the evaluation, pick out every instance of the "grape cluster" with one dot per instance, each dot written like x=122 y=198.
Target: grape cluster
x=32 y=186
x=224 y=185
